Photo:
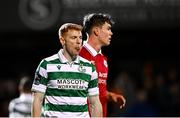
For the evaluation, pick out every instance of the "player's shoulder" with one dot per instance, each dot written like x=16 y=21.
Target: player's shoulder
x=14 y=101
x=84 y=50
x=86 y=53
x=85 y=61
x=104 y=56
x=52 y=57
x=82 y=59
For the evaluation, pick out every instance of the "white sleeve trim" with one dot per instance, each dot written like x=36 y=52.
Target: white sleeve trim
x=93 y=91
x=39 y=88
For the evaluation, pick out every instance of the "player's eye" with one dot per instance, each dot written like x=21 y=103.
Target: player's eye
x=80 y=37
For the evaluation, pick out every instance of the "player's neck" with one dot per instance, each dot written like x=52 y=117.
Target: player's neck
x=69 y=57
x=94 y=44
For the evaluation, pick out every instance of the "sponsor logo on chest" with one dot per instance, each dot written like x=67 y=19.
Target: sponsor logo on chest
x=76 y=84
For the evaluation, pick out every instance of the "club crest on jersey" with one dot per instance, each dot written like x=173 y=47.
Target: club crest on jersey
x=59 y=67
x=105 y=63
x=81 y=68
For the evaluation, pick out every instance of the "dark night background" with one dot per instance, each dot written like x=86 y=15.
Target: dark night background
x=144 y=48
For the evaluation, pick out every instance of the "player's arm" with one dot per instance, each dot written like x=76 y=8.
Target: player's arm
x=116 y=98
x=95 y=106
x=37 y=104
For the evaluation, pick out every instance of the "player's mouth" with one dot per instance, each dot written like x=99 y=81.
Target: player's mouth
x=78 y=48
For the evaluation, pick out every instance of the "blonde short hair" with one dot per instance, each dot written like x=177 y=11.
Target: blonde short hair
x=68 y=26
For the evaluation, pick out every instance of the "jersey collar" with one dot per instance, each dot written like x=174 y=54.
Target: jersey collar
x=91 y=49
x=63 y=59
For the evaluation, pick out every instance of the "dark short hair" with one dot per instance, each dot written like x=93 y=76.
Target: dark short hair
x=68 y=26
x=95 y=19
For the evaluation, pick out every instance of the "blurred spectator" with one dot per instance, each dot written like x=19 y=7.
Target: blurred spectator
x=21 y=106
x=8 y=89
x=173 y=92
x=148 y=74
x=141 y=107
x=161 y=94
x=124 y=85
x=148 y=70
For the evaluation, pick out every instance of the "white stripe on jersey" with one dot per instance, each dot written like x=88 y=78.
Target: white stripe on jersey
x=94 y=75
x=67 y=68
x=67 y=100
x=43 y=72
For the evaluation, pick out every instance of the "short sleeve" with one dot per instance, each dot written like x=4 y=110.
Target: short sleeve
x=93 y=84
x=40 y=78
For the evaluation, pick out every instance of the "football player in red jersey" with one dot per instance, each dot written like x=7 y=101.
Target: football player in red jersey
x=98 y=29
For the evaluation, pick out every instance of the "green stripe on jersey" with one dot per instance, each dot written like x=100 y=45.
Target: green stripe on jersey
x=42 y=64
x=67 y=93
x=42 y=80
x=68 y=75
x=93 y=83
x=65 y=108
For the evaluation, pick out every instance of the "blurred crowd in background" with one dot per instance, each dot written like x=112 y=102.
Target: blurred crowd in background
x=154 y=93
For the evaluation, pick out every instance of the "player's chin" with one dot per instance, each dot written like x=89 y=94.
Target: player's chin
x=76 y=52
x=108 y=43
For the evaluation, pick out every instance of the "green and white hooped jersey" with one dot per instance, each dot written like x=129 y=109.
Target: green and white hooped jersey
x=66 y=85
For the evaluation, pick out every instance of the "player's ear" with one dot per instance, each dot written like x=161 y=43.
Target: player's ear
x=96 y=31
x=62 y=40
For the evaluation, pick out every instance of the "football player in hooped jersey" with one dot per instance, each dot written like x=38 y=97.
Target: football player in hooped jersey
x=65 y=80
x=98 y=29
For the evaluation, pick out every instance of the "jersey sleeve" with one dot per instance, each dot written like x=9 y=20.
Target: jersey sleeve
x=40 y=78
x=93 y=84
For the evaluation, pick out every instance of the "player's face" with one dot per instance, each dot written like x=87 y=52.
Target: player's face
x=73 y=42
x=105 y=34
